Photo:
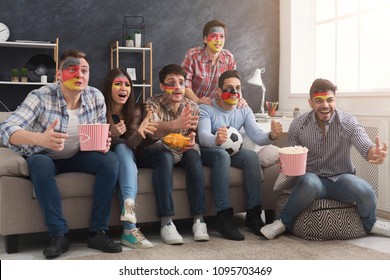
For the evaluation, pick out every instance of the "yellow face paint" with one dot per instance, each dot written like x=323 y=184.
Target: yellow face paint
x=216 y=39
x=322 y=95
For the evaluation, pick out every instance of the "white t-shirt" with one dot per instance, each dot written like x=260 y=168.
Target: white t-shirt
x=72 y=143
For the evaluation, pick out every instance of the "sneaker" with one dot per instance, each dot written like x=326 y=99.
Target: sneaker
x=272 y=230
x=382 y=228
x=128 y=212
x=226 y=227
x=170 y=236
x=199 y=229
x=58 y=245
x=101 y=241
x=253 y=220
x=135 y=240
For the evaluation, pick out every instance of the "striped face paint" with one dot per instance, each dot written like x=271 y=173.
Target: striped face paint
x=70 y=72
x=322 y=94
x=170 y=87
x=117 y=83
x=216 y=39
x=230 y=96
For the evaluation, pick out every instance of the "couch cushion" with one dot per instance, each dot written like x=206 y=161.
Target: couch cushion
x=12 y=164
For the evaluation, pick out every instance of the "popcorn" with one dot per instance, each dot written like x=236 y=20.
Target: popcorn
x=293 y=150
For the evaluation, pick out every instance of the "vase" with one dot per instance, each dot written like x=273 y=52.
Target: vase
x=130 y=43
x=137 y=38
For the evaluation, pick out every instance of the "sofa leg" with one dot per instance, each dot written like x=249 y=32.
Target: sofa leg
x=11 y=243
x=269 y=216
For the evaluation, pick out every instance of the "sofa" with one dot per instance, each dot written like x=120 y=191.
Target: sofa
x=20 y=212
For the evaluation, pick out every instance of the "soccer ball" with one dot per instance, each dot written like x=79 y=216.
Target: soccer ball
x=234 y=141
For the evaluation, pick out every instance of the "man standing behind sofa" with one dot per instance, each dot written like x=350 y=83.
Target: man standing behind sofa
x=176 y=114
x=213 y=133
x=43 y=129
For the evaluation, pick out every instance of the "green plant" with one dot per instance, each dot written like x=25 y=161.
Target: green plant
x=130 y=37
x=137 y=32
x=24 y=72
x=14 y=72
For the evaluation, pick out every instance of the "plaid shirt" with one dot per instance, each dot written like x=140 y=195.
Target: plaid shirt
x=163 y=111
x=202 y=76
x=42 y=107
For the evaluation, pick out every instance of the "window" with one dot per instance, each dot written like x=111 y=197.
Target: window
x=345 y=41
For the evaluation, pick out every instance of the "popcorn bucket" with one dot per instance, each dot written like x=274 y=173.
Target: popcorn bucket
x=293 y=164
x=93 y=137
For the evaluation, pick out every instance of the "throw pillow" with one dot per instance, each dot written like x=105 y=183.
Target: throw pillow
x=284 y=182
x=12 y=164
x=268 y=155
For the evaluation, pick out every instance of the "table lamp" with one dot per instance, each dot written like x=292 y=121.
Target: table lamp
x=257 y=81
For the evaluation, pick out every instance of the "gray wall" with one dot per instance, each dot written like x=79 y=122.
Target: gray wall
x=172 y=25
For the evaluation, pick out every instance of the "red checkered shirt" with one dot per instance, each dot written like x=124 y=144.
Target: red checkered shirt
x=202 y=76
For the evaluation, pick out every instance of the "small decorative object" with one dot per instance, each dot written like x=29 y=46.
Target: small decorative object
x=258 y=81
x=4 y=32
x=132 y=73
x=233 y=143
x=296 y=112
x=44 y=79
x=23 y=75
x=272 y=107
x=138 y=38
x=129 y=41
x=14 y=75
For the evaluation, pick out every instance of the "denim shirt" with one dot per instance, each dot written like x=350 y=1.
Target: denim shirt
x=45 y=105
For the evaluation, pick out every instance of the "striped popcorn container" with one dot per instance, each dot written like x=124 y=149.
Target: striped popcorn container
x=93 y=137
x=293 y=160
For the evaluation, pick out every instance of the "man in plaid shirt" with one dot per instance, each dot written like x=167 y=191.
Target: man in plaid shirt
x=43 y=129
x=174 y=113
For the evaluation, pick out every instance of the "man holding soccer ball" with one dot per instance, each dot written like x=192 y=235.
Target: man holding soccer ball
x=212 y=133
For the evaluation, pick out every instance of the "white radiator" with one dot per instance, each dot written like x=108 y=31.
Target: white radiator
x=376 y=175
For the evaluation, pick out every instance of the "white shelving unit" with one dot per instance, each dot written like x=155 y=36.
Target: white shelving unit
x=30 y=45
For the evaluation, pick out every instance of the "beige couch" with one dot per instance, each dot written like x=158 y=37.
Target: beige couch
x=20 y=212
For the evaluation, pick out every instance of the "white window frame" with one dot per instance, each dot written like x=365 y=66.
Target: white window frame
x=303 y=38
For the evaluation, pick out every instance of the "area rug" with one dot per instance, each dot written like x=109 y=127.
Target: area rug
x=284 y=247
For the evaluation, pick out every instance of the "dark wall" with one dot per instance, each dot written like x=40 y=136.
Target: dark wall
x=172 y=25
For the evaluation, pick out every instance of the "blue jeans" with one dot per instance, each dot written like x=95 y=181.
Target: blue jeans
x=220 y=162
x=127 y=177
x=162 y=163
x=348 y=188
x=43 y=170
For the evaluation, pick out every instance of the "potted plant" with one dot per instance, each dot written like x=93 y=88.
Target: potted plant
x=23 y=75
x=137 y=40
x=129 y=41
x=14 y=75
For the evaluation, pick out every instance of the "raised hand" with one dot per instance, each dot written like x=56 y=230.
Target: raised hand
x=51 y=139
x=276 y=129
x=221 y=135
x=186 y=120
x=380 y=153
x=147 y=127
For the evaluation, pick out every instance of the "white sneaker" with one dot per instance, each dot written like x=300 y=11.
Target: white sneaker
x=135 y=240
x=128 y=211
x=382 y=228
x=199 y=229
x=273 y=230
x=170 y=236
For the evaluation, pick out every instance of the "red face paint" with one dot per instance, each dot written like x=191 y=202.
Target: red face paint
x=230 y=96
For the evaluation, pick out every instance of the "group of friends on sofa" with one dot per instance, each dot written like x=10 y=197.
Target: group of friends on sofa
x=198 y=101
